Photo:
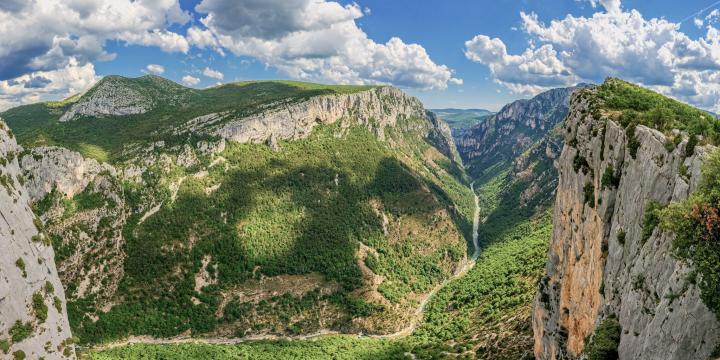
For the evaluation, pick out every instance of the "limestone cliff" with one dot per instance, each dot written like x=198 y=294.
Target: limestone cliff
x=376 y=109
x=80 y=233
x=33 y=318
x=599 y=266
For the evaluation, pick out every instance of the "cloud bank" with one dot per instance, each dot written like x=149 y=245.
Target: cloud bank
x=61 y=39
x=615 y=42
x=315 y=40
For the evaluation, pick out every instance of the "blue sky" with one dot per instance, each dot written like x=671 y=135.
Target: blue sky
x=457 y=53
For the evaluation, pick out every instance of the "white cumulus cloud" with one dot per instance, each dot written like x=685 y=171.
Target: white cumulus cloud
x=155 y=69
x=57 y=30
x=611 y=6
x=213 y=74
x=653 y=52
x=315 y=40
x=47 y=85
x=190 y=80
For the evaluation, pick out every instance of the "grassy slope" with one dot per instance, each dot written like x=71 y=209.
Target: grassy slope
x=631 y=104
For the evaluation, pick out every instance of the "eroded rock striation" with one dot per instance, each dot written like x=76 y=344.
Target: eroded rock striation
x=599 y=266
x=33 y=317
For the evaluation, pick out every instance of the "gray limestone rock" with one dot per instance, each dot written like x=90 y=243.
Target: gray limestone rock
x=592 y=274
x=27 y=269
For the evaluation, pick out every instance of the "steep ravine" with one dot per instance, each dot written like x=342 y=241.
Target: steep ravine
x=103 y=218
x=598 y=264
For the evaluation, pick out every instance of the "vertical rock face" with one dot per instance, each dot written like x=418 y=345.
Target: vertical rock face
x=376 y=109
x=598 y=263
x=55 y=174
x=33 y=318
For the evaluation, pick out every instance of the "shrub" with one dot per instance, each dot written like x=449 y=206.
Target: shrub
x=683 y=171
x=20 y=331
x=609 y=178
x=49 y=288
x=20 y=263
x=621 y=237
x=605 y=340
x=696 y=224
x=691 y=144
x=650 y=220
x=580 y=163
x=39 y=307
x=632 y=142
x=589 y=191
x=57 y=303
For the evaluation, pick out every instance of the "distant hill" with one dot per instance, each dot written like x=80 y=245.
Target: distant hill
x=461 y=119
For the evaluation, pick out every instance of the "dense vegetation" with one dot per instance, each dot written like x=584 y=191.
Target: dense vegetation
x=487 y=312
x=484 y=314
x=259 y=213
x=339 y=348
x=307 y=209
x=635 y=105
x=604 y=342
x=301 y=210
x=463 y=318
x=696 y=224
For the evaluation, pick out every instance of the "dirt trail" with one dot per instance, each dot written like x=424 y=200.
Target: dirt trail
x=417 y=317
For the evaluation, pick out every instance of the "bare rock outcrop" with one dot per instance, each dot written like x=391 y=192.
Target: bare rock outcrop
x=56 y=167
x=33 y=316
x=55 y=174
x=109 y=97
x=375 y=109
x=598 y=263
